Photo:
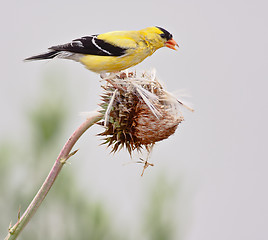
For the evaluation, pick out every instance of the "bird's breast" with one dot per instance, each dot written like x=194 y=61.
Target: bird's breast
x=100 y=64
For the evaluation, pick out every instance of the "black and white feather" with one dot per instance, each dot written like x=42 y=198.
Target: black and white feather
x=89 y=45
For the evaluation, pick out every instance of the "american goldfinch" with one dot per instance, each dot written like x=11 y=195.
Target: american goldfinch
x=112 y=51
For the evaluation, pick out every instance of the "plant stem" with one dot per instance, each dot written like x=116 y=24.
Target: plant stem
x=54 y=172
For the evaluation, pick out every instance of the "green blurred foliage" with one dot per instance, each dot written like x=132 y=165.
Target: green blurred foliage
x=68 y=213
x=159 y=221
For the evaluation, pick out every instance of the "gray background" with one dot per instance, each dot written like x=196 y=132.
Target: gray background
x=218 y=153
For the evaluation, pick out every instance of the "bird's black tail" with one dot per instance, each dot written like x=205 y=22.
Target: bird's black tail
x=47 y=55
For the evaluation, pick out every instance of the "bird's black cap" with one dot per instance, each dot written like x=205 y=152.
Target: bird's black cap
x=165 y=34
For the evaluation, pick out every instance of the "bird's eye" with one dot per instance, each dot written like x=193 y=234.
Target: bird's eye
x=166 y=36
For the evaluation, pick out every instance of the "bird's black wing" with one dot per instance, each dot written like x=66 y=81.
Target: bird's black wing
x=91 y=45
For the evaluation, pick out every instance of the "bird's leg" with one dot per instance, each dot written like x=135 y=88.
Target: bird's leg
x=103 y=75
x=123 y=75
x=112 y=76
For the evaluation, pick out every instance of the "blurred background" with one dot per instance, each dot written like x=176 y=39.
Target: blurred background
x=210 y=178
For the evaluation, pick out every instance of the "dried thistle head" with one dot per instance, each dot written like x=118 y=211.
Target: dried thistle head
x=138 y=111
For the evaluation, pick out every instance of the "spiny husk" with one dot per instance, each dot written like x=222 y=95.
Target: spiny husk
x=138 y=112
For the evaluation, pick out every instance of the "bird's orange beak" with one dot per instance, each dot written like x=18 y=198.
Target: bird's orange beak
x=171 y=43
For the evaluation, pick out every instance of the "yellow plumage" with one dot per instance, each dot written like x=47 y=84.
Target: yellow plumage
x=113 y=51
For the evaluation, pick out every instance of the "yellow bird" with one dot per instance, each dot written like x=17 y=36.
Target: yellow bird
x=112 y=51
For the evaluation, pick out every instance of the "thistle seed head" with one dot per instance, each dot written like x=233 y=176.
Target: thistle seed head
x=138 y=111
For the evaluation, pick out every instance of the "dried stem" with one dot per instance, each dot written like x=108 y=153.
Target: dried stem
x=54 y=172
